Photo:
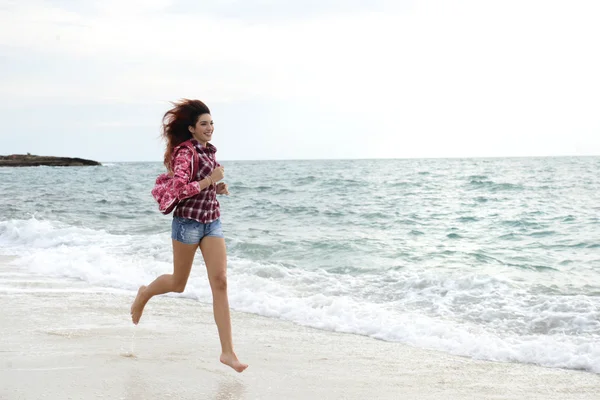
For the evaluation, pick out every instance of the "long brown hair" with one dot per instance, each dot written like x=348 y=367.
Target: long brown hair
x=175 y=124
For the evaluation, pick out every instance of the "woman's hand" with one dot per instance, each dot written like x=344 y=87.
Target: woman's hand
x=217 y=174
x=222 y=188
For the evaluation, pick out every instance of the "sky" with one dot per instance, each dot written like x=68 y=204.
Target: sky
x=312 y=79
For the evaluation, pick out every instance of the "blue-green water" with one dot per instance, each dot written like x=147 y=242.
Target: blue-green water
x=490 y=258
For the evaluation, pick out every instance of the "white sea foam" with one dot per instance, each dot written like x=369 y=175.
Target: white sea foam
x=469 y=314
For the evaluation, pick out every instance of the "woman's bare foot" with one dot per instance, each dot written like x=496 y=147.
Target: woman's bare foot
x=137 y=308
x=232 y=360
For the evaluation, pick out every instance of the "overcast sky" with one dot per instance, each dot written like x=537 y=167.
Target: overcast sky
x=303 y=79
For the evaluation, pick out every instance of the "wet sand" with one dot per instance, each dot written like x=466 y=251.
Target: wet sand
x=69 y=340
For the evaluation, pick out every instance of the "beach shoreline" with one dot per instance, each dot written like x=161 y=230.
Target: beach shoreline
x=74 y=340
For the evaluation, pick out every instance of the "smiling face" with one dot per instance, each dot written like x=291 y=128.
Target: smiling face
x=203 y=129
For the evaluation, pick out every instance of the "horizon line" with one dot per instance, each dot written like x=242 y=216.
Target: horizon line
x=378 y=158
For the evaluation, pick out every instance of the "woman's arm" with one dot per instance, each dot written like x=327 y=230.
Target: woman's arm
x=182 y=170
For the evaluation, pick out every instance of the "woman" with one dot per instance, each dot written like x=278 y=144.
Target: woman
x=196 y=219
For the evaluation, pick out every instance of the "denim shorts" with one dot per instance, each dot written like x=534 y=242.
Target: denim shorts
x=189 y=231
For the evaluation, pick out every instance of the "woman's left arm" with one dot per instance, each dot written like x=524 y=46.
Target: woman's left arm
x=221 y=186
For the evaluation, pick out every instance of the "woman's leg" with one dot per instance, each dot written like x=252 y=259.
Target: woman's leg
x=183 y=257
x=215 y=257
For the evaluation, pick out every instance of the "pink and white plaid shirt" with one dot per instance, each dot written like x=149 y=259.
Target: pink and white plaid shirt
x=201 y=206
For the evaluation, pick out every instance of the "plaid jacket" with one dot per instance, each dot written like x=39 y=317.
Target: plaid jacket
x=201 y=206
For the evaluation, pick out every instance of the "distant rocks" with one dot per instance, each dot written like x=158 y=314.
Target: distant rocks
x=28 y=160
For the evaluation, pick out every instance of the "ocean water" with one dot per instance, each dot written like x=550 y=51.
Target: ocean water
x=495 y=259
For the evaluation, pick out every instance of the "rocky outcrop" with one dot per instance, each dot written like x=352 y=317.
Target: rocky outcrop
x=28 y=160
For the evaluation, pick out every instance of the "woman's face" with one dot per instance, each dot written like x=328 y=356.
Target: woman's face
x=203 y=129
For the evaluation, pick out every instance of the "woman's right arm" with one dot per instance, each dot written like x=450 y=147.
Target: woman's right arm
x=182 y=170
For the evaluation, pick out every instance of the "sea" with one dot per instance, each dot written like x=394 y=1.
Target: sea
x=494 y=259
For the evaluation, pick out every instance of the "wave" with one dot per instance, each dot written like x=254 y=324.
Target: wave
x=468 y=219
x=463 y=312
x=493 y=186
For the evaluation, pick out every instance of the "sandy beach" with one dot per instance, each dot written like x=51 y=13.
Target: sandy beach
x=69 y=340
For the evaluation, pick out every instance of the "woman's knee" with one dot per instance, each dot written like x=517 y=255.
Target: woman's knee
x=218 y=282
x=178 y=285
